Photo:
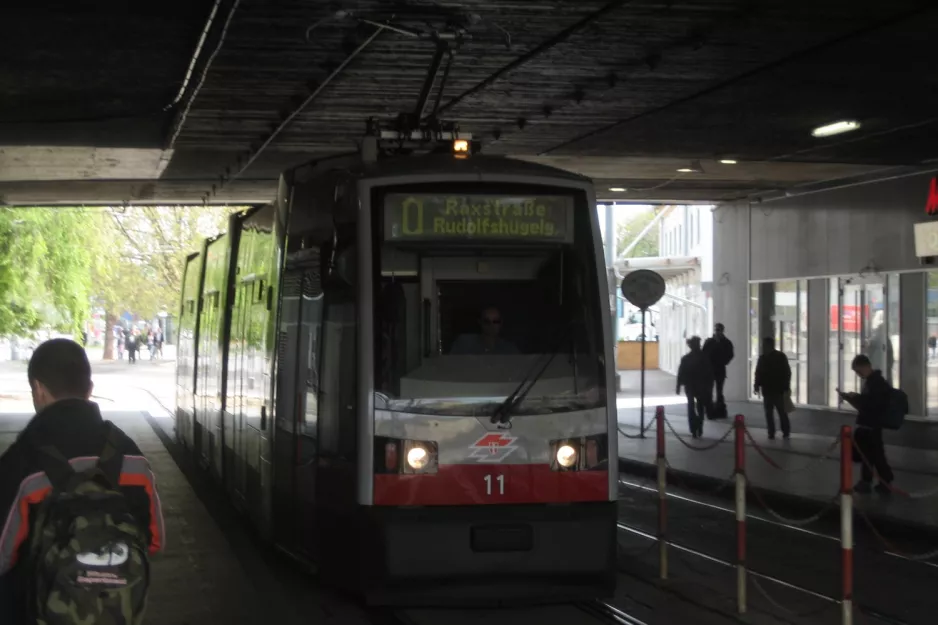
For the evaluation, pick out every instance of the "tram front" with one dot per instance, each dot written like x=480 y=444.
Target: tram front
x=486 y=353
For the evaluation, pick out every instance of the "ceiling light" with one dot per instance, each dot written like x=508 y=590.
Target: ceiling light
x=728 y=161
x=617 y=189
x=695 y=168
x=836 y=128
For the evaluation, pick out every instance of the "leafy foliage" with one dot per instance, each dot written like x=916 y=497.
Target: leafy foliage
x=44 y=258
x=56 y=263
x=627 y=230
x=149 y=244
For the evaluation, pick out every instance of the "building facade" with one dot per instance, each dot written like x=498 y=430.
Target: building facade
x=830 y=274
x=686 y=261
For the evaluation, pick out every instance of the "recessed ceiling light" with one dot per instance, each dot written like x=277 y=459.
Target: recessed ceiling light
x=686 y=170
x=728 y=161
x=616 y=189
x=836 y=128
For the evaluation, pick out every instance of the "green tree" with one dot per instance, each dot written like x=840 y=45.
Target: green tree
x=143 y=269
x=45 y=257
x=627 y=230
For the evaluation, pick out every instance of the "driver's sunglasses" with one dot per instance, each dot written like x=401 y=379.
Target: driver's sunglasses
x=491 y=322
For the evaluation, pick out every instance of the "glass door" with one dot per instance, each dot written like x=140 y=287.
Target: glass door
x=863 y=330
x=791 y=333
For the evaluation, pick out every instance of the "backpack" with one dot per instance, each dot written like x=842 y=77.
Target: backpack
x=87 y=557
x=896 y=409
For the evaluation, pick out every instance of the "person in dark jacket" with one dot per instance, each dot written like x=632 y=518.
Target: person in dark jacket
x=719 y=351
x=773 y=380
x=130 y=342
x=871 y=404
x=60 y=378
x=695 y=374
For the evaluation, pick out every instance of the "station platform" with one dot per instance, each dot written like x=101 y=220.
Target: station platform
x=917 y=432
x=805 y=467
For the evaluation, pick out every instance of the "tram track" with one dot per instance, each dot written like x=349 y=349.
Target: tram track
x=867 y=610
x=605 y=611
x=597 y=610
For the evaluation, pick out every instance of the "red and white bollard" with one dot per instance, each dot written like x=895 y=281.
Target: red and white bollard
x=846 y=523
x=740 y=432
x=662 y=497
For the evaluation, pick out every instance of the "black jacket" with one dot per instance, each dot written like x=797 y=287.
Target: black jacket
x=773 y=373
x=720 y=354
x=695 y=374
x=873 y=401
x=75 y=427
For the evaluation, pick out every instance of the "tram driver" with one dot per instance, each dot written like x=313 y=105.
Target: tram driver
x=487 y=341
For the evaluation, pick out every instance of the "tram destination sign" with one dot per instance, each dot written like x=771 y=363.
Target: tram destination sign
x=443 y=216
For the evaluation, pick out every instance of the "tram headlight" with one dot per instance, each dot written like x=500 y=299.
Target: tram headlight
x=566 y=456
x=418 y=458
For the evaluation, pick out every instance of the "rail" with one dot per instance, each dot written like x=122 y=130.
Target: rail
x=607 y=612
x=842 y=448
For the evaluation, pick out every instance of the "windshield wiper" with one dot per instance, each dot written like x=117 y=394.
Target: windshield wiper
x=503 y=412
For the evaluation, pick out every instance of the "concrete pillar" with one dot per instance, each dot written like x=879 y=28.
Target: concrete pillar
x=818 y=340
x=913 y=310
x=731 y=290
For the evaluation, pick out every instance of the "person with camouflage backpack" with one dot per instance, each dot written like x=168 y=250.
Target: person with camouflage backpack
x=79 y=507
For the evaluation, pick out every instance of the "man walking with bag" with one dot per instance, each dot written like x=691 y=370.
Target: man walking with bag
x=79 y=505
x=773 y=380
x=719 y=351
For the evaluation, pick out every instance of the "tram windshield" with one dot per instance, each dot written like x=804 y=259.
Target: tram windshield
x=477 y=293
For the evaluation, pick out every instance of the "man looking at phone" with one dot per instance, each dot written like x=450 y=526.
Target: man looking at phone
x=871 y=404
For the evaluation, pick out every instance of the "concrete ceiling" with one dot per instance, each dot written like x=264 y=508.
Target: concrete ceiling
x=186 y=102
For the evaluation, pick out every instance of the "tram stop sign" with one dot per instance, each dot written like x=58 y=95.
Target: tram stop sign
x=643 y=288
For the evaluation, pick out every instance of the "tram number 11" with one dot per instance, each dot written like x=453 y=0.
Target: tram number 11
x=499 y=482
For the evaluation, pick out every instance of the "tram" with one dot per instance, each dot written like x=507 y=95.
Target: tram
x=401 y=370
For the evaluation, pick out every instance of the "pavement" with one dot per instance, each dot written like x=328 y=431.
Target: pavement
x=118 y=385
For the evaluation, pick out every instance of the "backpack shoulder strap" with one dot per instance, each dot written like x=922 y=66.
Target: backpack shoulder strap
x=55 y=465
x=111 y=459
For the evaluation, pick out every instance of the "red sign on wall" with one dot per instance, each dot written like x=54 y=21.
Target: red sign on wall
x=851 y=317
x=931 y=205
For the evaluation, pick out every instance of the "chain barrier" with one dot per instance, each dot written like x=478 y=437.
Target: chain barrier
x=778 y=606
x=890 y=546
x=708 y=447
x=844 y=442
x=789 y=521
x=828 y=454
x=648 y=426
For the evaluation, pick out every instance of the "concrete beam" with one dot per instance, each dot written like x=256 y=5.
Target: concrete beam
x=35 y=163
x=114 y=192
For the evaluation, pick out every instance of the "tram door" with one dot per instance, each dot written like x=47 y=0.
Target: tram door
x=296 y=436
